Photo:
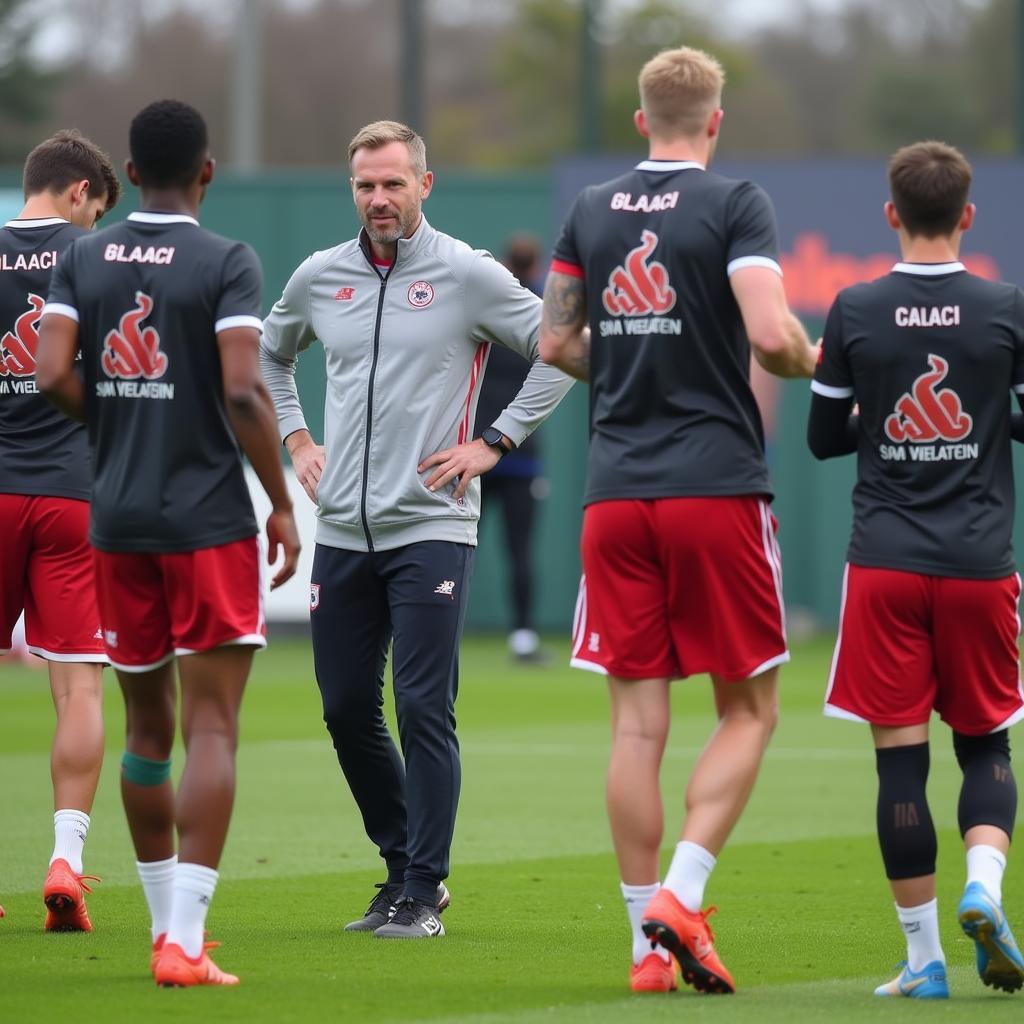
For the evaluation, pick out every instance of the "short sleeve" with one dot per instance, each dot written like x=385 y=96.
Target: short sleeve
x=566 y=258
x=241 y=295
x=62 y=298
x=753 y=236
x=832 y=377
x=1018 y=342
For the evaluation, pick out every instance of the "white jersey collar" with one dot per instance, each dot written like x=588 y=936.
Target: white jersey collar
x=35 y=222
x=928 y=269
x=669 y=165
x=148 y=217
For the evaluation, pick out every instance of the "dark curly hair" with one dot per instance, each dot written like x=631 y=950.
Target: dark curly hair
x=168 y=143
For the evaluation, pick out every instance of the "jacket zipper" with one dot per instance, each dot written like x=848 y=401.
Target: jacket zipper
x=369 y=409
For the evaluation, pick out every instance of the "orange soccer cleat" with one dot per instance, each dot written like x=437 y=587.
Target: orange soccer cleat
x=64 y=895
x=653 y=974
x=688 y=938
x=176 y=970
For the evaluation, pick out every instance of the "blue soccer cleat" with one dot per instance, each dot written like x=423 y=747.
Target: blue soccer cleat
x=927 y=983
x=982 y=919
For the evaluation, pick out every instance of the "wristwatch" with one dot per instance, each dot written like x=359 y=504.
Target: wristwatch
x=493 y=436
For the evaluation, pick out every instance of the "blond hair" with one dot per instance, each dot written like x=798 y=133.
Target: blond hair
x=382 y=133
x=679 y=90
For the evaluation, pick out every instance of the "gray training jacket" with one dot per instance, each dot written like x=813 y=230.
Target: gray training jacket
x=405 y=351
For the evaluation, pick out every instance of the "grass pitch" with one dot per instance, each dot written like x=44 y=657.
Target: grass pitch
x=536 y=929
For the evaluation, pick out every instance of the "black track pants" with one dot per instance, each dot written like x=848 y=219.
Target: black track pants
x=361 y=600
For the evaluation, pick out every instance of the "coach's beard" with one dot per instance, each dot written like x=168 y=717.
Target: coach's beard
x=387 y=236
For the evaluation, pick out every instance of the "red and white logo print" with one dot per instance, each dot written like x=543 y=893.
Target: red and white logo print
x=345 y=294
x=421 y=293
x=640 y=287
x=18 y=346
x=131 y=353
x=925 y=414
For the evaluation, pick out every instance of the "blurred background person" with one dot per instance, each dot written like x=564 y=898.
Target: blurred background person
x=515 y=484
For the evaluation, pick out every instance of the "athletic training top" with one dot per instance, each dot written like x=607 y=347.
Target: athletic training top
x=42 y=452
x=671 y=409
x=930 y=354
x=150 y=295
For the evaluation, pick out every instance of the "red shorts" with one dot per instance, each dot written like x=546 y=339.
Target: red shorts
x=154 y=606
x=677 y=586
x=46 y=571
x=909 y=643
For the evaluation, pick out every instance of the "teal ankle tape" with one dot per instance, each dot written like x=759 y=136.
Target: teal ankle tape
x=144 y=772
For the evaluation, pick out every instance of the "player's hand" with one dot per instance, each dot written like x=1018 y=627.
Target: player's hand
x=282 y=534
x=815 y=356
x=308 y=463
x=464 y=461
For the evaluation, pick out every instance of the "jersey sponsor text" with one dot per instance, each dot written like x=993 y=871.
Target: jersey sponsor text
x=158 y=254
x=927 y=316
x=644 y=203
x=33 y=261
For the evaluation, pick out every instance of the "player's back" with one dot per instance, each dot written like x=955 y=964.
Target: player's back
x=42 y=452
x=150 y=295
x=672 y=413
x=932 y=354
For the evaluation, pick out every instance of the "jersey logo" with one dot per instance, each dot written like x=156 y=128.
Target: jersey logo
x=314 y=596
x=18 y=346
x=421 y=293
x=130 y=353
x=640 y=287
x=925 y=414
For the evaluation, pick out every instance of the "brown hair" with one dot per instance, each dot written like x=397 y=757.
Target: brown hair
x=68 y=157
x=929 y=182
x=381 y=133
x=679 y=90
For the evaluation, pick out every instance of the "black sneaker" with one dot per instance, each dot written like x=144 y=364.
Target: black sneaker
x=415 y=920
x=381 y=907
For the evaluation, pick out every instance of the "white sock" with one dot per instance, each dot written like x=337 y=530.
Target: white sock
x=986 y=864
x=69 y=831
x=688 y=874
x=157 y=877
x=194 y=885
x=637 y=897
x=921 y=927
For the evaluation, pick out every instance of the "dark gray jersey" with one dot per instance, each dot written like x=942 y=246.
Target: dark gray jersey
x=671 y=409
x=150 y=295
x=930 y=353
x=42 y=452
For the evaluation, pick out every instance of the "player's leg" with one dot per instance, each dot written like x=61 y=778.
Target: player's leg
x=150 y=700
x=351 y=631
x=62 y=626
x=906 y=836
x=640 y=714
x=724 y=599
x=620 y=630
x=883 y=673
x=979 y=696
x=428 y=590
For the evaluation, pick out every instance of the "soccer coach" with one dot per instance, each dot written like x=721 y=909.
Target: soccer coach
x=406 y=315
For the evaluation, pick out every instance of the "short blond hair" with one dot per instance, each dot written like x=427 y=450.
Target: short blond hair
x=679 y=90
x=382 y=133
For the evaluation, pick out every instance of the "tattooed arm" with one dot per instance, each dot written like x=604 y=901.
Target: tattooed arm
x=564 y=337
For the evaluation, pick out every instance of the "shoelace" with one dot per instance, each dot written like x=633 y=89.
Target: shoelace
x=382 y=901
x=406 y=910
x=704 y=915
x=91 y=878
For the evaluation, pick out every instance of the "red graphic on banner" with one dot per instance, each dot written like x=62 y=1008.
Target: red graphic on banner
x=929 y=415
x=18 y=346
x=640 y=287
x=130 y=353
